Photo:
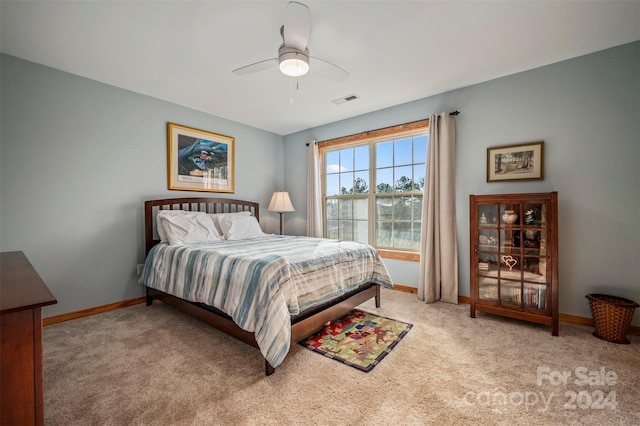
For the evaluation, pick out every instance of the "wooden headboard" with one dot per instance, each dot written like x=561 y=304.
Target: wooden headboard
x=209 y=205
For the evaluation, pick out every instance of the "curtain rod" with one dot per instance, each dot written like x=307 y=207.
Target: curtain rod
x=452 y=113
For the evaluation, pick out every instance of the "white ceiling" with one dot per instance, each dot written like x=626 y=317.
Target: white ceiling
x=395 y=51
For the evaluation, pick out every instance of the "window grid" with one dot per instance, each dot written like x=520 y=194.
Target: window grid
x=351 y=212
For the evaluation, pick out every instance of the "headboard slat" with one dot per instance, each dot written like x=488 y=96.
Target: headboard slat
x=209 y=205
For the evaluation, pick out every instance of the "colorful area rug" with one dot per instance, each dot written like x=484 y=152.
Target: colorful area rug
x=358 y=339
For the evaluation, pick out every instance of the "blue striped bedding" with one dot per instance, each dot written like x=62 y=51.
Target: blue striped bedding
x=262 y=282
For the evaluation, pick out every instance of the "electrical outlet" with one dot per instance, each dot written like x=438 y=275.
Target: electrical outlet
x=140 y=268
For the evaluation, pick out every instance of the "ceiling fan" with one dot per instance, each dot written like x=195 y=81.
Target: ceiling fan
x=293 y=55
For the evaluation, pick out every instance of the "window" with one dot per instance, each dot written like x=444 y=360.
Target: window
x=373 y=185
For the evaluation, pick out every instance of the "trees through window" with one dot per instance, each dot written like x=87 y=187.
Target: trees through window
x=373 y=189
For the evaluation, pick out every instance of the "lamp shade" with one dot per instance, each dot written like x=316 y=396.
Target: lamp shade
x=280 y=202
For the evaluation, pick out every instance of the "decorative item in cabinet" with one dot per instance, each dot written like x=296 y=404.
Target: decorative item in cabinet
x=514 y=256
x=509 y=217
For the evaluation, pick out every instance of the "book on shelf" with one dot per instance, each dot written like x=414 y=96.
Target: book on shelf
x=535 y=295
x=542 y=294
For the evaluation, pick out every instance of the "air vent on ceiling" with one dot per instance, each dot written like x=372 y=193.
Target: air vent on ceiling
x=344 y=99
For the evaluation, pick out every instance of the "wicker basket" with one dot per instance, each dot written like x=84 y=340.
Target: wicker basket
x=611 y=316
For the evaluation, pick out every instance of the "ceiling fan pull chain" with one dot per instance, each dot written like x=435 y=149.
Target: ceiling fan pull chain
x=291 y=90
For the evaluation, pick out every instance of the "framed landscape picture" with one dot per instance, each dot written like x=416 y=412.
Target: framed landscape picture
x=516 y=162
x=199 y=160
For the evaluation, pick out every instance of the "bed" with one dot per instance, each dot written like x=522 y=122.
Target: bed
x=268 y=291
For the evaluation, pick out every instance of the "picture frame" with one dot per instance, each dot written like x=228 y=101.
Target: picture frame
x=199 y=160
x=523 y=161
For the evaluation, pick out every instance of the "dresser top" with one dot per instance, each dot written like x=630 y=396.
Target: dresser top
x=20 y=285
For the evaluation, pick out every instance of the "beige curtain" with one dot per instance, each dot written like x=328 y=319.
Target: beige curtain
x=438 y=278
x=314 y=202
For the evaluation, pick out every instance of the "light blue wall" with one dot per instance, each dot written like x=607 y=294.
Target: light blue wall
x=78 y=158
x=587 y=110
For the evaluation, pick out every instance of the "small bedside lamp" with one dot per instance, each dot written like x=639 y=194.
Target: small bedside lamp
x=280 y=202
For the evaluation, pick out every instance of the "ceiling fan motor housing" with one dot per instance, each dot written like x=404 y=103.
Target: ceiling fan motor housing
x=293 y=62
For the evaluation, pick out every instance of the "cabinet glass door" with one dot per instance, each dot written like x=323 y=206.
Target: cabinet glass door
x=488 y=259
x=488 y=215
x=512 y=266
x=510 y=293
x=488 y=289
x=534 y=241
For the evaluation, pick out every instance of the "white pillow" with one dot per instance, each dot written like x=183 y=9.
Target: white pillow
x=236 y=227
x=190 y=229
x=162 y=214
x=218 y=216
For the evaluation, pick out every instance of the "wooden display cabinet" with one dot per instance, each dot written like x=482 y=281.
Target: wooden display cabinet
x=514 y=256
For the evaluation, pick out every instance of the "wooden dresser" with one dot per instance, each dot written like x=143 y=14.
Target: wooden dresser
x=22 y=296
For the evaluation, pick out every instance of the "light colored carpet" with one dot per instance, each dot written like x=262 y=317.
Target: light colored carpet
x=156 y=366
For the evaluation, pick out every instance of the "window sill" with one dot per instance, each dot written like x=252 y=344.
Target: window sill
x=409 y=256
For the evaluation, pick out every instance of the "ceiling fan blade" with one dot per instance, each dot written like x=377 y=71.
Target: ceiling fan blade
x=327 y=69
x=257 y=66
x=297 y=25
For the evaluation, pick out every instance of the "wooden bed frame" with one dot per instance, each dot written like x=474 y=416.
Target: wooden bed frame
x=302 y=326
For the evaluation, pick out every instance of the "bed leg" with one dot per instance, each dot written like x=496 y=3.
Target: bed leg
x=268 y=369
x=149 y=297
x=377 y=296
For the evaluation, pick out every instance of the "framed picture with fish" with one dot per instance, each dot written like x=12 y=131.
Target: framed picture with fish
x=199 y=160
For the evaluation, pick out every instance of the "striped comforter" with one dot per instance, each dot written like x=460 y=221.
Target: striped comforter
x=262 y=282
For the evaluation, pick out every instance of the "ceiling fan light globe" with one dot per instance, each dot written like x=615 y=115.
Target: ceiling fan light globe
x=294 y=64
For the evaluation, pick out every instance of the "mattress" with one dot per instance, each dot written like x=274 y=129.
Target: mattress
x=260 y=283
